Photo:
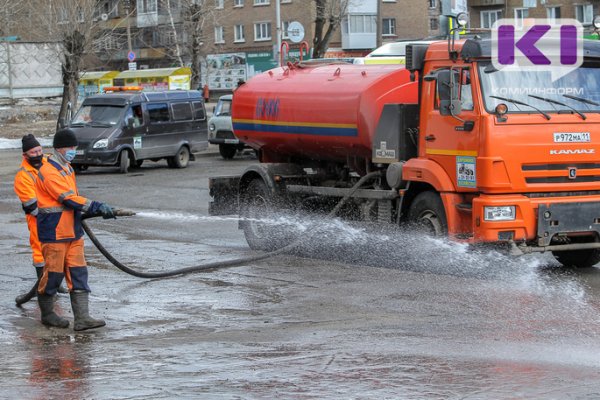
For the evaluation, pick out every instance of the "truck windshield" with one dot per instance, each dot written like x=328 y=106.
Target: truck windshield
x=98 y=115
x=223 y=108
x=578 y=90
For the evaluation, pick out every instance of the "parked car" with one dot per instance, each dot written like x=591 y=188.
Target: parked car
x=124 y=128
x=391 y=53
x=220 y=129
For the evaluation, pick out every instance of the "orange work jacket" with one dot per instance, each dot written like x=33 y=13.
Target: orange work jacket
x=59 y=203
x=25 y=190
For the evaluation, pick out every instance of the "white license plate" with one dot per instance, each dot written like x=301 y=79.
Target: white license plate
x=79 y=152
x=571 y=137
x=232 y=141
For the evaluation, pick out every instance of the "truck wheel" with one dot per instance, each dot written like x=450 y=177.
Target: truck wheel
x=123 y=161
x=133 y=163
x=578 y=258
x=257 y=211
x=428 y=214
x=181 y=159
x=227 y=151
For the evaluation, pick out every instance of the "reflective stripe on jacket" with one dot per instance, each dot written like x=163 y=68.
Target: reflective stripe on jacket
x=59 y=203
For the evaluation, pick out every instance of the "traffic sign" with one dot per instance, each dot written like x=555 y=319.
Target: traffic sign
x=295 y=31
x=131 y=56
x=132 y=66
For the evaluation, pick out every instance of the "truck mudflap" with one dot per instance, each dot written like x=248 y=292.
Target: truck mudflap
x=558 y=222
x=224 y=191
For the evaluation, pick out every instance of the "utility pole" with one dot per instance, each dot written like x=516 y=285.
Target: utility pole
x=278 y=22
x=127 y=11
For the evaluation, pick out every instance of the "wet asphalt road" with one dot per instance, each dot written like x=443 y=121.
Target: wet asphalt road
x=356 y=313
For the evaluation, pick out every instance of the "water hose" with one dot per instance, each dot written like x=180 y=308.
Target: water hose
x=203 y=267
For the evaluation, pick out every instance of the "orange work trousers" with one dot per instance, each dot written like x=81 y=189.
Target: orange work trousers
x=63 y=260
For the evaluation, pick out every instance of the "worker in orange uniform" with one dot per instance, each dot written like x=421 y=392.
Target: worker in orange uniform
x=60 y=210
x=206 y=93
x=25 y=190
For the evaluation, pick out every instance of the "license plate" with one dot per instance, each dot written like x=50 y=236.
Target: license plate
x=232 y=141
x=79 y=152
x=571 y=137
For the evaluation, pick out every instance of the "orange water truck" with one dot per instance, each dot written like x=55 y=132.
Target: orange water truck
x=455 y=147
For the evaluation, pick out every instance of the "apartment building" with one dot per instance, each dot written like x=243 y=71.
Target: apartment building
x=484 y=13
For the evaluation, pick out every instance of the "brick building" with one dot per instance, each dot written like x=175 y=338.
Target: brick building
x=484 y=13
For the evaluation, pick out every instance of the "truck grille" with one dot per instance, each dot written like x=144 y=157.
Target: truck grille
x=225 y=135
x=561 y=173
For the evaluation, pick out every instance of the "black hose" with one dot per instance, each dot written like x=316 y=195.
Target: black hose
x=208 y=266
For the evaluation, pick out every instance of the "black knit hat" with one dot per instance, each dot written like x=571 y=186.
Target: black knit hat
x=64 y=138
x=29 y=142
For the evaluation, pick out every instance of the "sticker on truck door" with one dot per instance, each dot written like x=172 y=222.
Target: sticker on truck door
x=465 y=172
x=137 y=142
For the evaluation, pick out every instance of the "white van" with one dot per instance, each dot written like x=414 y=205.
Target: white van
x=220 y=129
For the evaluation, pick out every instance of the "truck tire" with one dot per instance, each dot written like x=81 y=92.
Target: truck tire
x=181 y=159
x=123 y=161
x=578 y=258
x=428 y=215
x=257 y=210
x=227 y=151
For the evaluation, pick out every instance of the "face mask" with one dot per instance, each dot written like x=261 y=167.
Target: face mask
x=70 y=155
x=35 y=162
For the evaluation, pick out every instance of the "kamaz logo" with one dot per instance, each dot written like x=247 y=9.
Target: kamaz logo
x=576 y=151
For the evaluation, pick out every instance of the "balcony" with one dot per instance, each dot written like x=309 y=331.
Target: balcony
x=486 y=3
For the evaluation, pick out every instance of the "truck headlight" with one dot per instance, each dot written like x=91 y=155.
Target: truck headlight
x=501 y=213
x=101 y=144
x=212 y=127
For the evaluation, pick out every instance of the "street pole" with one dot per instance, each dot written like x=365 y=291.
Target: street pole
x=278 y=22
x=127 y=10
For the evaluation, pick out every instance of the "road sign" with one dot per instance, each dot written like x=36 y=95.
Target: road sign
x=132 y=66
x=295 y=31
x=131 y=56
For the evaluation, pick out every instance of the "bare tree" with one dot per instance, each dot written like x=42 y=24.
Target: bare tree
x=9 y=10
x=191 y=34
x=329 y=15
x=71 y=23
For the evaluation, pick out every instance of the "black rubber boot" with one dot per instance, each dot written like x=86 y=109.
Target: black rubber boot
x=83 y=321
x=49 y=317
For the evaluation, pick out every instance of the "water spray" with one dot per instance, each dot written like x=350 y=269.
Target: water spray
x=21 y=299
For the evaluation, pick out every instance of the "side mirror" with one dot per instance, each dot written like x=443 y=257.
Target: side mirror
x=130 y=122
x=448 y=92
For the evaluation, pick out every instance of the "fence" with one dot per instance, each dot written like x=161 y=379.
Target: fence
x=29 y=70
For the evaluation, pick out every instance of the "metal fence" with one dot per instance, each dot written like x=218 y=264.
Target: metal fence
x=29 y=70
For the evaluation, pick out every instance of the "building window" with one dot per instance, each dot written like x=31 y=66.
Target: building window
x=146 y=6
x=239 y=35
x=261 y=2
x=285 y=25
x=362 y=23
x=262 y=31
x=219 y=35
x=286 y=1
x=219 y=4
x=433 y=24
x=432 y=3
x=553 y=13
x=520 y=15
x=389 y=27
x=584 y=13
x=238 y=3
x=489 y=17
x=530 y=3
